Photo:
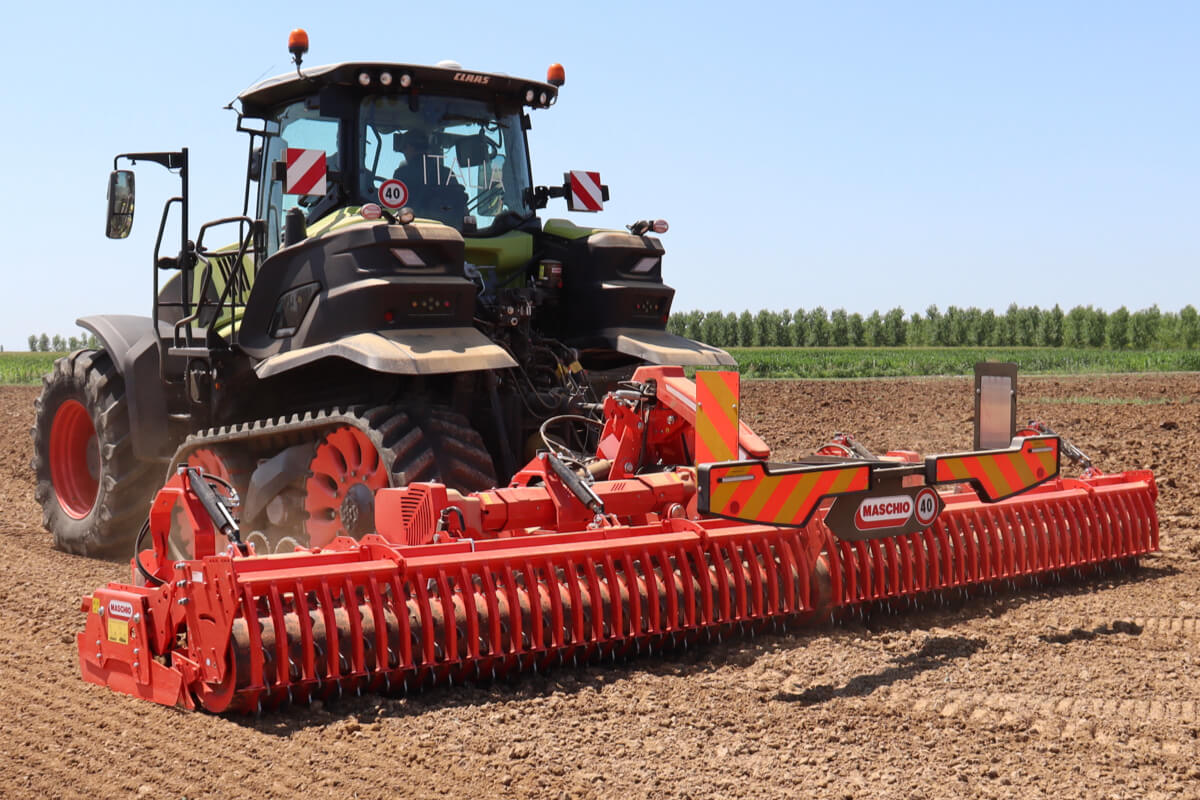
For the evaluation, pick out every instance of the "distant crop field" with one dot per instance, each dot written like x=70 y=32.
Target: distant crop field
x=25 y=368
x=885 y=362
x=845 y=362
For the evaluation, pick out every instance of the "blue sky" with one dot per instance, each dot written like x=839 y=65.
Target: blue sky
x=855 y=155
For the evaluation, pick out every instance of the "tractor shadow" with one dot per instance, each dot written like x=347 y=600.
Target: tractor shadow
x=935 y=653
x=360 y=714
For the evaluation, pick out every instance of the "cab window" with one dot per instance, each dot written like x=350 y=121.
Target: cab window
x=300 y=128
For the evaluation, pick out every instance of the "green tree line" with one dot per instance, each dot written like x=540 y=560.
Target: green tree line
x=60 y=344
x=1029 y=326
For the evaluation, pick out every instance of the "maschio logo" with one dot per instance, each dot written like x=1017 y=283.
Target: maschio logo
x=466 y=77
x=120 y=608
x=883 y=512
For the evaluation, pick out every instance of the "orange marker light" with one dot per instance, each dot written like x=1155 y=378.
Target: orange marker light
x=298 y=42
x=556 y=75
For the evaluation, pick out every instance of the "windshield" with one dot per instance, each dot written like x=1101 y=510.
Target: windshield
x=446 y=160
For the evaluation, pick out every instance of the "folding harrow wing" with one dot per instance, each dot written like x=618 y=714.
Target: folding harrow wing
x=625 y=551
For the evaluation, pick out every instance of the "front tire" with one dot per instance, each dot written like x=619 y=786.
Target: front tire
x=93 y=491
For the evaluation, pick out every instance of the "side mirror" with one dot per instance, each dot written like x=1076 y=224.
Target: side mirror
x=255 y=167
x=120 y=204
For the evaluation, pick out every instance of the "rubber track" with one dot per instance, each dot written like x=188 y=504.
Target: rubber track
x=444 y=447
x=272 y=435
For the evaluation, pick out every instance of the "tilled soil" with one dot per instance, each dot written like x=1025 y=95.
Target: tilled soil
x=1076 y=690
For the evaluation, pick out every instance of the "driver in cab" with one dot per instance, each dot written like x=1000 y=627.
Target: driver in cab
x=433 y=191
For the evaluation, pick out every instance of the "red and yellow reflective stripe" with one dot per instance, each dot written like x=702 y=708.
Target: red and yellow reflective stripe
x=747 y=491
x=1002 y=473
x=716 y=417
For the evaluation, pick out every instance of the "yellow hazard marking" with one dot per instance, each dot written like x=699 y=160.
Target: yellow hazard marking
x=1024 y=471
x=800 y=491
x=727 y=484
x=95 y=605
x=118 y=631
x=991 y=468
x=716 y=417
x=957 y=468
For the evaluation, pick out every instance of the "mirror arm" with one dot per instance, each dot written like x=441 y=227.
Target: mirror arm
x=177 y=160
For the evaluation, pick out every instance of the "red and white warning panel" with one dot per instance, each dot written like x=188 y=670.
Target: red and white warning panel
x=586 y=192
x=305 y=172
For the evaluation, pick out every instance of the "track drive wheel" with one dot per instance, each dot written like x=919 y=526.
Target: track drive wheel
x=349 y=465
x=345 y=472
x=93 y=491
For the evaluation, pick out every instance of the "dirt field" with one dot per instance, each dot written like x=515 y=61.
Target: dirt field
x=1083 y=690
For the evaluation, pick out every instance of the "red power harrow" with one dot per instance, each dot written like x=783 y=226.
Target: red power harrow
x=581 y=558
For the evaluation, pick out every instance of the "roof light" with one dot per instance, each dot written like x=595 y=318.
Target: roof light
x=364 y=79
x=385 y=78
x=529 y=95
x=298 y=44
x=405 y=80
x=660 y=226
x=543 y=98
x=556 y=75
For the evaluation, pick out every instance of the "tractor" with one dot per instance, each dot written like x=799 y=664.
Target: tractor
x=391 y=310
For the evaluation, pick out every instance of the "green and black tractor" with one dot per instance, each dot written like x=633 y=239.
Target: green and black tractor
x=393 y=310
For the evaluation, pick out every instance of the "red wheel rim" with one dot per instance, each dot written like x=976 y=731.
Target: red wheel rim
x=74 y=459
x=213 y=463
x=209 y=461
x=344 y=459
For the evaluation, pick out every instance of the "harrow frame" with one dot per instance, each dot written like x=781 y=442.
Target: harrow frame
x=558 y=569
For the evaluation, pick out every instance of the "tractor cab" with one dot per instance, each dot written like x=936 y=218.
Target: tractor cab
x=446 y=144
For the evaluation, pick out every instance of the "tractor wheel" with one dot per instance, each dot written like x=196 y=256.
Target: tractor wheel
x=94 y=492
x=347 y=470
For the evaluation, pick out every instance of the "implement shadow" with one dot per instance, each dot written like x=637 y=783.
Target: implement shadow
x=935 y=653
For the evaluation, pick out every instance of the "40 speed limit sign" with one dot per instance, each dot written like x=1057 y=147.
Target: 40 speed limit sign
x=393 y=193
x=928 y=506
